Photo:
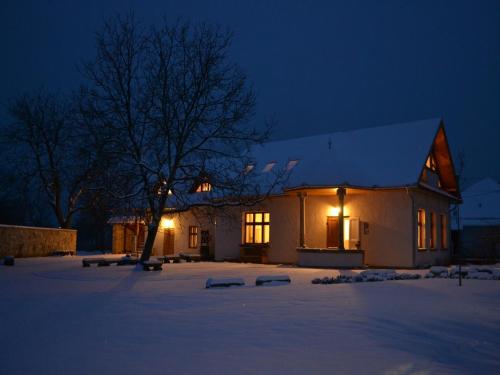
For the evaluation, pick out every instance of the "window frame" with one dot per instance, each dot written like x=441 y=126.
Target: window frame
x=253 y=224
x=443 y=220
x=421 y=235
x=204 y=187
x=433 y=231
x=193 y=236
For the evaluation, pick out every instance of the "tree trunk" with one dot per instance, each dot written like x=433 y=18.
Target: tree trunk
x=148 y=246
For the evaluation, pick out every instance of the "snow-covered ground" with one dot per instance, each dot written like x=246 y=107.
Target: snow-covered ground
x=59 y=318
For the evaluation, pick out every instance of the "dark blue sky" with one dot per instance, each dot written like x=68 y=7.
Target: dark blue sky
x=317 y=66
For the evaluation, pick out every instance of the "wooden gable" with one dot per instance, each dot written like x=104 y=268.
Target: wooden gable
x=442 y=164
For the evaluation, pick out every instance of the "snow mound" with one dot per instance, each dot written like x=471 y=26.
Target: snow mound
x=224 y=283
x=438 y=272
x=367 y=276
x=483 y=272
x=479 y=275
x=272 y=280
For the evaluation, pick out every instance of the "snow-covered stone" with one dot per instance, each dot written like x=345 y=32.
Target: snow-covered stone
x=275 y=280
x=224 y=283
x=439 y=271
x=480 y=275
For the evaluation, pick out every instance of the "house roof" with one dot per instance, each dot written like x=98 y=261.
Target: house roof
x=385 y=156
x=481 y=204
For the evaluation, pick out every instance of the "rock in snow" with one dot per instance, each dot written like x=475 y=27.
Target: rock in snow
x=275 y=280
x=224 y=283
x=367 y=276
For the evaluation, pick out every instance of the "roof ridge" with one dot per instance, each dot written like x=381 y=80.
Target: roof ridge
x=355 y=130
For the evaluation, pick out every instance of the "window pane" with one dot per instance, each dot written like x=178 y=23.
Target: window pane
x=258 y=218
x=266 y=217
x=258 y=234
x=266 y=233
x=249 y=234
x=249 y=218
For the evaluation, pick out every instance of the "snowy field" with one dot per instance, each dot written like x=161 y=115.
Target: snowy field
x=59 y=318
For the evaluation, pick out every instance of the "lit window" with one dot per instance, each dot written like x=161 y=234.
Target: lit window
x=256 y=227
x=193 y=237
x=432 y=239
x=291 y=164
x=204 y=186
x=431 y=163
x=421 y=229
x=444 y=232
x=269 y=166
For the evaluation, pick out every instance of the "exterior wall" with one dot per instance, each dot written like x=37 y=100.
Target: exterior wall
x=34 y=242
x=386 y=215
x=181 y=223
x=387 y=232
x=284 y=230
x=432 y=202
x=123 y=239
x=388 y=241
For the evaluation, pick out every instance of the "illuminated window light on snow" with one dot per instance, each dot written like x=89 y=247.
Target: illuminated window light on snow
x=269 y=166
x=291 y=164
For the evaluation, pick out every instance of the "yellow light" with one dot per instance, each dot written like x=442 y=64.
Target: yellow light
x=346 y=229
x=333 y=211
x=167 y=223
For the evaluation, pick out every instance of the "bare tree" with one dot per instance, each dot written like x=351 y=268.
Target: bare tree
x=177 y=111
x=50 y=151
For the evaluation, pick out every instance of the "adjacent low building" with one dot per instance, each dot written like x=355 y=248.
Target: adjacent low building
x=476 y=224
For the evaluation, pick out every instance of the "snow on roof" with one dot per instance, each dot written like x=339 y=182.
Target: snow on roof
x=126 y=220
x=481 y=203
x=385 y=156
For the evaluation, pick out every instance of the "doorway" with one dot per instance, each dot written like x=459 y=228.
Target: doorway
x=332 y=231
x=204 y=245
x=168 y=241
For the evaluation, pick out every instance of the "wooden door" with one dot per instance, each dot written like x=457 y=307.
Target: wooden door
x=168 y=241
x=332 y=231
x=204 y=245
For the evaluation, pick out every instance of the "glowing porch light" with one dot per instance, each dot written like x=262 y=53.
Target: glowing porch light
x=167 y=223
x=333 y=211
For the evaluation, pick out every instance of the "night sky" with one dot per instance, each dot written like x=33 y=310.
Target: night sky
x=317 y=66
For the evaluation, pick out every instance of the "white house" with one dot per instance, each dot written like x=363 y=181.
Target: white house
x=377 y=196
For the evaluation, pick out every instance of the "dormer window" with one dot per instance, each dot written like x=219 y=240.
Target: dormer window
x=291 y=164
x=204 y=187
x=269 y=167
x=430 y=173
x=249 y=168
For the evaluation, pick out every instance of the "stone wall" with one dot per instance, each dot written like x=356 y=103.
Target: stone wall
x=34 y=242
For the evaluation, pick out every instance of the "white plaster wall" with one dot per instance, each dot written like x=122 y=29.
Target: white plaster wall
x=432 y=202
x=284 y=230
x=388 y=214
x=182 y=222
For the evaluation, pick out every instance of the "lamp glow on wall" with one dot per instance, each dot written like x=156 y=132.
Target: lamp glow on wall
x=167 y=223
x=333 y=211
